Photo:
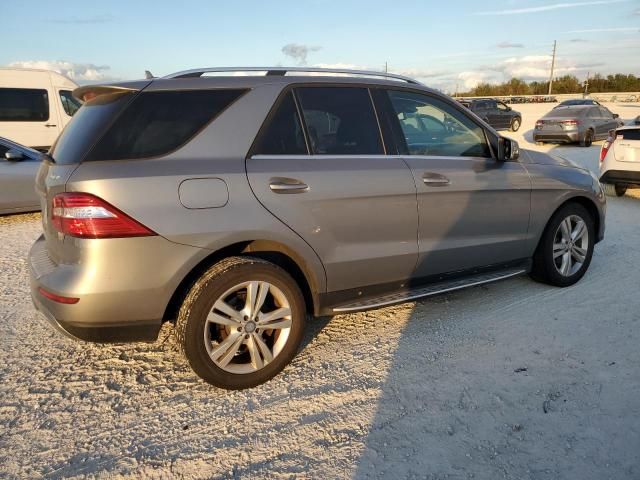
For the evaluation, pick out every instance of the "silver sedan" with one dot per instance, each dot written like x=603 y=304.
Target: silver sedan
x=18 y=168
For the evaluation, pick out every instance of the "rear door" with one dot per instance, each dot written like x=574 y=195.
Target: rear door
x=473 y=210
x=608 y=121
x=319 y=165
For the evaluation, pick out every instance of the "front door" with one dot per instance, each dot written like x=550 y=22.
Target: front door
x=331 y=182
x=473 y=209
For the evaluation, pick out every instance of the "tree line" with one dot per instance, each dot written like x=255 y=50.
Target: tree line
x=565 y=84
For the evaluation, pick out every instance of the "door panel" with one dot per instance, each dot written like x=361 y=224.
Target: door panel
x=17 y=184
x=358 y=212
x=477 y=215
x=473 y=210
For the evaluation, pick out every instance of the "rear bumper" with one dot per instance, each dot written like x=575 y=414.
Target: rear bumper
x=562 y=137
x=621 y=177
x=123 y=286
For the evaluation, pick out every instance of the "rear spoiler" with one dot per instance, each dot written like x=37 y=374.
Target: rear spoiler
x=87 y=92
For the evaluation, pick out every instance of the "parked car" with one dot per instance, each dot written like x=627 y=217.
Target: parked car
x=577 y=124
x=18 y=168
x=577 y=101
x=35 y=105
x=497 y=114
x=636 y=121
x=620 y=161
x=236 y=206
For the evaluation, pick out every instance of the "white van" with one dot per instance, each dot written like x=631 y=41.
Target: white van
x=35 y=105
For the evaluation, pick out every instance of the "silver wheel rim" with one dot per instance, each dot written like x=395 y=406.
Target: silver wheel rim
x=516 y=125
x=247 y=327
x=570 y=245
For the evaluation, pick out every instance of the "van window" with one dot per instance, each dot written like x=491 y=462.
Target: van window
x=24 y=105
x=340 y=121
x=156 y=123
x=283 y=134
x=69 y=103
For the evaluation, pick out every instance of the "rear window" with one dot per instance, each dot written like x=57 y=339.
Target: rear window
x=24 y=105
x=631 y=134
x=86 y=125
x=157 y=123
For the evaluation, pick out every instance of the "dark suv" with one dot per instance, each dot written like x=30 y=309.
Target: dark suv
x=237 y=206
x=497 y=114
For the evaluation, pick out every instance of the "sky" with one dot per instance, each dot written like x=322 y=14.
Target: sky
x=450 y=45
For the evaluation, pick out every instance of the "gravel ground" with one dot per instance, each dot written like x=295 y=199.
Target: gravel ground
x=511 y=380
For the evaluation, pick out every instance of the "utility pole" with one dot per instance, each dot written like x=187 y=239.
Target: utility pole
x=553 y=64
x=586 y=85
x=386 y=67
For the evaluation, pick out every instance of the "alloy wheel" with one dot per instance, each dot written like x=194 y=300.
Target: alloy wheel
x=570 y=245
x=247 y=327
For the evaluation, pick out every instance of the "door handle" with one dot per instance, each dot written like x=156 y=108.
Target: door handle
x=435 y=180
x=288 y=185
x=50 y=125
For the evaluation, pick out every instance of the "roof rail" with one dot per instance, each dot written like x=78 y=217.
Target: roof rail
x=281 y=71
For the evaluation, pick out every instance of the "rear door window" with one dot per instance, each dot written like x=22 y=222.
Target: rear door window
x=24 y=105
x=282 y=134
x=340 y=121
x=157 y=123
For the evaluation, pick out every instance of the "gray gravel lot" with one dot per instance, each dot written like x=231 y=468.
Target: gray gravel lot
x=512 y=380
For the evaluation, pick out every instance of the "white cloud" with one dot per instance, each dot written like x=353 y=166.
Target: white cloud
x=553 y=6
x=79 y=72
x=600 y=30
x=509 y=45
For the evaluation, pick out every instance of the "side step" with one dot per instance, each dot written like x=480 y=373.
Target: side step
x=428 y=290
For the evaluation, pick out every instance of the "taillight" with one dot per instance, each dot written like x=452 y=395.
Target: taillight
x=605 y=148
x=571 y=123
x=84 y=215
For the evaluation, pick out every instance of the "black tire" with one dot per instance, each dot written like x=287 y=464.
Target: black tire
x=614 y=190
x=544 y=268
x=515 y=124
x=190 y=326
x=587 y=140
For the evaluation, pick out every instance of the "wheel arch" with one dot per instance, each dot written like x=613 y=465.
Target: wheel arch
x=269 y=250
x=587 y=203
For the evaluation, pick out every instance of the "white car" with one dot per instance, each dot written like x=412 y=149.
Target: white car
x=620 y=161
x=35 y=105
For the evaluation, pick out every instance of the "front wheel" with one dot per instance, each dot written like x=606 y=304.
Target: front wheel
x=566 y=247
x=241 y=323
x=515 y=124
x=614 y=190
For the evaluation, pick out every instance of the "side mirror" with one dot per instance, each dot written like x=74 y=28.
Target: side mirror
x=615 y=115
x=508 y=149
x=14 y=155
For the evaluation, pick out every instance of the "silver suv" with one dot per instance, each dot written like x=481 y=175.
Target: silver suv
x=237 y=206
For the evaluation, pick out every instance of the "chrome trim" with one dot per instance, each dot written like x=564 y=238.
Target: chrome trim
x=197 y=72
x=427 y=294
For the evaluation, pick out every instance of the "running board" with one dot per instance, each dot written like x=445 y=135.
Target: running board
x=431 y=289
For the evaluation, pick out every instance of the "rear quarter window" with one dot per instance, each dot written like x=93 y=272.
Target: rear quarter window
x=157 y=123
x=24 y=105
x=631 y=134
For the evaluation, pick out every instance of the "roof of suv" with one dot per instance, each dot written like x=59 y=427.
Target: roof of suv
x=226 y=78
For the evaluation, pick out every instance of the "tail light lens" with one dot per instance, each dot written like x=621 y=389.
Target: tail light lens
x=84 y=215
x=58 y=298
x=570 y=123
x=605 y=148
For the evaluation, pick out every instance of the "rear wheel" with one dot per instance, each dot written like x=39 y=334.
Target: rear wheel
x=588 y=139
x=615 y=190
x=241 y=323
x=566 y=247
x=515 y=124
